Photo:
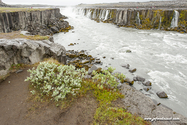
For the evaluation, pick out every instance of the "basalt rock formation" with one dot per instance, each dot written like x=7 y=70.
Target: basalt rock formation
x=23 y=51
x=172 y=20
x=37 y=22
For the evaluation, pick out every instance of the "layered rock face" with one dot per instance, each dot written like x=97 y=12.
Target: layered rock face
x=44 y=22
x=25 y=51
x=174 y=20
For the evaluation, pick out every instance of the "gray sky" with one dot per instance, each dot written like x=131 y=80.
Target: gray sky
x=65 y=2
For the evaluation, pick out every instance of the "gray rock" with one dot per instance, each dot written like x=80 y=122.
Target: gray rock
x=138 y=78
x=36 y=22
x=138 y=103
x=148 y=83
x=147 y=89
x=132 y=70
x=92 y=69
x=51 y=39
x=54 y=29
x=125 y=66
x=28 y=52
x=127 y=80
x=162 y=94
x=128 y=51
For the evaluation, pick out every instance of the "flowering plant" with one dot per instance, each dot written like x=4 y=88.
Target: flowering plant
x=55 y=80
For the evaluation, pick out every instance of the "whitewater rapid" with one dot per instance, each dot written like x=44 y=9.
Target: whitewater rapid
x=159 y=56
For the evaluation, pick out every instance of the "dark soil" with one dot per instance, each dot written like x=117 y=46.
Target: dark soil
x=17 y=109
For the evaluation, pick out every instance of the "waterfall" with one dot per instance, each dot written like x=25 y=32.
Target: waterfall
x=120 y=19
x=117 y=16
x=94 y=14
x=138 y=19
x=125 y=17
x=106 y=15
x=100 y=14
x=174 y=22
x=89 y=14
x=103 y=15
x=160 y=22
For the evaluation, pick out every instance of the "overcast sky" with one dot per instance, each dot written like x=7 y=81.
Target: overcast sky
x=65 y=2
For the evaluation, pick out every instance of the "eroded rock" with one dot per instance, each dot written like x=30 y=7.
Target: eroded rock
x=28 y=52
x=162 y=94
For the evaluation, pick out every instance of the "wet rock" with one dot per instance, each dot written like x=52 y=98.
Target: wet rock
x=162 y=94
x=54 y=29
x=92 y=69
x=127 y=80
x=98 y=61
x=138 y=78
x=104 y=57
x=128 y=51
x=148 y=83
x=132 y=70
x=71 y=44
x=125 y=66
x=51 y=39
x=85 y=61
x=147 y=89
x=112 y=58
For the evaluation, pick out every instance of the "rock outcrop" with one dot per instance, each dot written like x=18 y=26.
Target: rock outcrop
x=137 y=103
x=28 y=52
x=37 y=22
x=169 y=20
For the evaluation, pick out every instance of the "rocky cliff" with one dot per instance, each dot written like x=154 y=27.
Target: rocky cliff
x=173 y=20
x=23 y=51
x=42 y=22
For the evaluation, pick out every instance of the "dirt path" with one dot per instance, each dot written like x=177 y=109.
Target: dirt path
x=15 y=109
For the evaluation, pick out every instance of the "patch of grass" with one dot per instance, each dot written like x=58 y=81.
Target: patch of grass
x=18 y=66
x=35 y=37
x=16 y=34
x=7 y=9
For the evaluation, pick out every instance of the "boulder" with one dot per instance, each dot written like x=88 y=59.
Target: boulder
x=132 y=70
x=28 y=52
x=162 y=94
x=147 y=88
x=127 y=80
x=138 y=78
x=125 y=66
x=148 y=83
x=54 y=29
x=128 y=51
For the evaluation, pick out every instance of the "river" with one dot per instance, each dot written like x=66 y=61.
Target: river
x=159 y=56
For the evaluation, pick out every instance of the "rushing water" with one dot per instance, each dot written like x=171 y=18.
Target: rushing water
x=159 y=56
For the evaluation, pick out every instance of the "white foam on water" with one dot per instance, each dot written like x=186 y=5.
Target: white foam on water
x=172 y=58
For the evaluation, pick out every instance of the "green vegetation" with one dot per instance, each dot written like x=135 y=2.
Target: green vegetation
x=62 y=84
x=35 y=37
x=17 y=66
x=6 y=9
x=16 y=34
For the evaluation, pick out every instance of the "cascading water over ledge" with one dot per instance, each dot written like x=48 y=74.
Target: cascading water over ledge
x=169 y=20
